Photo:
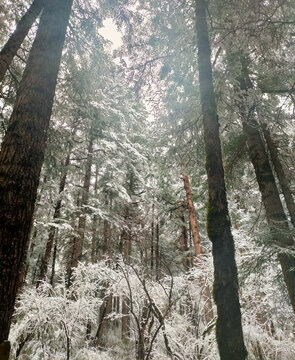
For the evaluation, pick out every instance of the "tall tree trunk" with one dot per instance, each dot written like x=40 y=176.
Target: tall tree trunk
x=13 y=44
x=52 y=230
x=274 y=210
x=184 y=243
x=152 y=237
x=94 y=223
x=157 y=250
x=105 y=310
x=279 y=169
x=77 y=246
x=126 y=243
x=22 y=152
x=53 y=263
x=229 y=326
x=209 y=315
x=192 y=216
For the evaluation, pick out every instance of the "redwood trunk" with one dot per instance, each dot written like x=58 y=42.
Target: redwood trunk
x=22 y=152
x=229 y=327
x=13 y=44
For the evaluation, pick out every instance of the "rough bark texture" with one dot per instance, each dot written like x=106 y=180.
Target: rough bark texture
x=279 y=169
x=192 y=216
x=22 y=152
x=229 y=327
x=13 y=44
x=52 y=230
x=274 y=210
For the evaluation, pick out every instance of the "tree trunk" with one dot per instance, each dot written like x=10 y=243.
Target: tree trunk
x=184 y=244
x=52 y=230
x=229 y=326
x=279 y=169
x=22 y=152
x=157 y=250
x=152 y=237
x=192 y=216
x=4 y=350
x=126 y=244
x=77 y=247
x=209 y=315
x=274 y=210
x=53 y=264
x=94 y=223
x=105 y=310
x=13 y=44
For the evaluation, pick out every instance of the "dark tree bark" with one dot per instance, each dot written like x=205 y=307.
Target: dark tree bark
x=279 y=169
x=274 y=210
x=13 y=44
x=52 y=230
x=22 y=152
x=53 y=264
x=229 y=327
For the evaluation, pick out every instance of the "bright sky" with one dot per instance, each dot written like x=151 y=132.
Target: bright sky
x=110 y=32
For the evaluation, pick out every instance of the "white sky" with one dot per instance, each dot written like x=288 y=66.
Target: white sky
x=110 y=32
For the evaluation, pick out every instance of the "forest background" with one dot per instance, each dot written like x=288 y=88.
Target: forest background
x=146 y=190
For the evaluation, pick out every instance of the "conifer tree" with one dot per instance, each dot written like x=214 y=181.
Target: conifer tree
x=22 y=153
x=229 y=326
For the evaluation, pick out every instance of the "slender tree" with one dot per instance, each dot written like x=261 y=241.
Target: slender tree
x=77 y=246
x=275 y=214
x=229 y=326
x=22 y=152
x=46 y=257
x=13 y=44
x=280 y=171
x=192 y=215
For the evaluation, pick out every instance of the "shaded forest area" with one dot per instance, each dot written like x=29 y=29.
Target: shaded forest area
x=147 y=179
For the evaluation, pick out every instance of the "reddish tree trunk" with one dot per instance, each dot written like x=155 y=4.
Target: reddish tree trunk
x=22 y=152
